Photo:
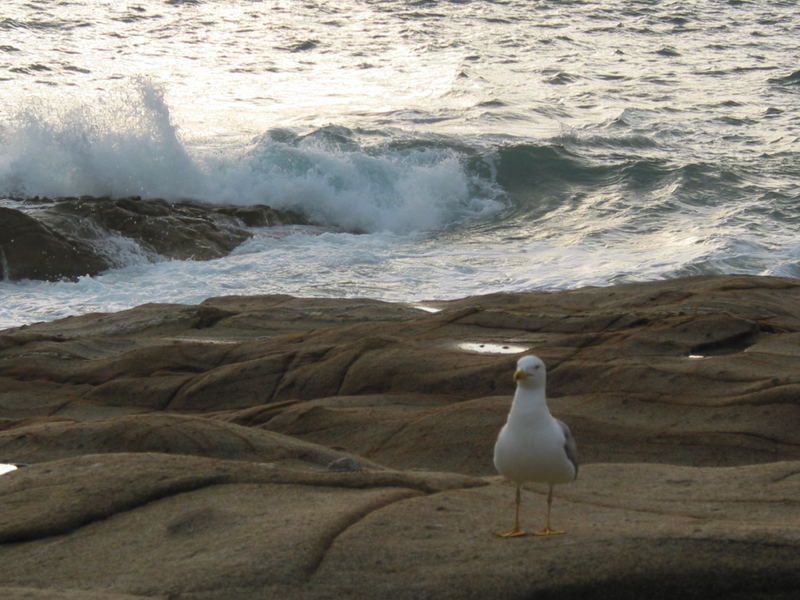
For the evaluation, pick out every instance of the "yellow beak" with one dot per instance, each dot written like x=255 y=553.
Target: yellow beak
x=520 y=374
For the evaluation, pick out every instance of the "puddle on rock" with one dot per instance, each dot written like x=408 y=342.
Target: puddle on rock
x=492 y=348
x=430 y=309
x=6 y=468
x=202 y=340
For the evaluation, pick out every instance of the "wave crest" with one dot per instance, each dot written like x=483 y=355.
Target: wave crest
x=336 y=179
x=127 y=145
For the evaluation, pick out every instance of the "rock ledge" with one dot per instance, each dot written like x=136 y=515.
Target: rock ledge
x=265 y=446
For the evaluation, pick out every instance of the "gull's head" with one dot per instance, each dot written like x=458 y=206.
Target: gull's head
x=531 y=372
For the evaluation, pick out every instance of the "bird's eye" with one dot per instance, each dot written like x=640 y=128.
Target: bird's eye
x=537 y=366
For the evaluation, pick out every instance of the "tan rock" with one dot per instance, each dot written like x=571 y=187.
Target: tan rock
x=273 y=446
x=163 y=433
x=21 y=593
x=155 y=525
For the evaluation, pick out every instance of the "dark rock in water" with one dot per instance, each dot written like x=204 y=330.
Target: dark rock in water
x=177 y=231
x=68 y=237
x=261 y=215
x=30 y=249
x=270 y=446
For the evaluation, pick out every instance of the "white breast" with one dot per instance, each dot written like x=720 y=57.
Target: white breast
x=533 y=453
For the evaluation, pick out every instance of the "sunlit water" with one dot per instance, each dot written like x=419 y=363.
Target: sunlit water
x=476 y=146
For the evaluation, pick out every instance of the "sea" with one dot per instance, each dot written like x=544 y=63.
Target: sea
x=440 y=148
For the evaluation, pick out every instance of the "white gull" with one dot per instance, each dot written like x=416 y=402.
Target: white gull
x=533 y=445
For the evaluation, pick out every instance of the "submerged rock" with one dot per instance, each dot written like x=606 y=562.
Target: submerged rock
x=69 y=237
x=252 y=447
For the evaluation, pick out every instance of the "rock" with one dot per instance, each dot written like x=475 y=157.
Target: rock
x=156 y=525
x=264 y=446
x=169 y=434
x=68 y=237
x=259 y=215
x=20 y=593
x=127 y=480
x=343 y=465
x=32 y=250
x=180 y=231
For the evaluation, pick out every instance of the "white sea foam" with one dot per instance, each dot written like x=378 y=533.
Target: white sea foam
x=126 y=144
x=356 y=188
x=304 y=261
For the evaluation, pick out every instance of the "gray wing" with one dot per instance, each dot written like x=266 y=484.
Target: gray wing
x=570 y=447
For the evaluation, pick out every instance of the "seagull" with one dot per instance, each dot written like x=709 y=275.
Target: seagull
x=533 y=445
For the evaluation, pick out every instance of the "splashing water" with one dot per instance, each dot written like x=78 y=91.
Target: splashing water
x=127 y=145
x=124 y=145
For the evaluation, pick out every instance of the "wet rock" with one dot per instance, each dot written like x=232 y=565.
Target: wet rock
x=30 y=249
x=173 y=230
x=68 y=237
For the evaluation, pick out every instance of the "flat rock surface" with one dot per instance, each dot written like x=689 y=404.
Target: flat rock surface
x=253 y=447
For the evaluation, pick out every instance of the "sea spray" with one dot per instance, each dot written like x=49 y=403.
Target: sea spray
x=121 y=144
x=125 y=143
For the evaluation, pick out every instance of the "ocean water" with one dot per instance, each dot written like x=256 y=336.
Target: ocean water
x=443 y=148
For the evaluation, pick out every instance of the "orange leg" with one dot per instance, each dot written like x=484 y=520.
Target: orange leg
x=516 y=531
x=548 y=530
